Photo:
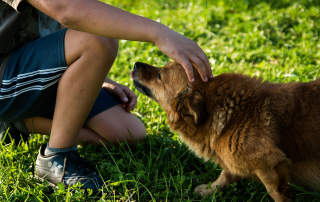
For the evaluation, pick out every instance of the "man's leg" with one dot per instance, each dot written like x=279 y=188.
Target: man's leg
x=112 y=124
x=37 y=81
x=117 y=125
x=89 y=59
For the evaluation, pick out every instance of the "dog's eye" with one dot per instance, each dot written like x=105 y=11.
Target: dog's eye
x=159 y=76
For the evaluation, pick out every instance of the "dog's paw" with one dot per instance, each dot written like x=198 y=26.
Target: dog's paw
x=203 y=191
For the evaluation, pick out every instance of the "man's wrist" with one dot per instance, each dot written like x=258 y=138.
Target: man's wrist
x=155 y=32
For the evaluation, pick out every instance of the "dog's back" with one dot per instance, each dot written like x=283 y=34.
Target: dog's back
x=296 y=108
x=288 y=113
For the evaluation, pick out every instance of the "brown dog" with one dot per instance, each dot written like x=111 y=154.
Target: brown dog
x=270 y=132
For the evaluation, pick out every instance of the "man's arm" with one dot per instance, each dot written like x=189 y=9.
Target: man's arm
x=101 y=19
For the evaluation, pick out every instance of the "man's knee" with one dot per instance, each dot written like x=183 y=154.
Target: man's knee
x=78 y=44
x=140 y=132
x=105 y=47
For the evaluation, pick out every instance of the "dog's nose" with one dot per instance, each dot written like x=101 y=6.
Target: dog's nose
x=137 y=65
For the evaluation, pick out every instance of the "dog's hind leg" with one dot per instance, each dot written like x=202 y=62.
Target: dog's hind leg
x=276 y=181
x=223 y=180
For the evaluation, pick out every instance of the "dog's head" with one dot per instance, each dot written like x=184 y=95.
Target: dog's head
x=169 y=86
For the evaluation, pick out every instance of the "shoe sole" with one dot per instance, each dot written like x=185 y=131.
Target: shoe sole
x=50 y=184
x=56 y=187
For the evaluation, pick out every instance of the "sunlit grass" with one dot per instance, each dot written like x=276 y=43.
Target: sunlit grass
x=277 y=40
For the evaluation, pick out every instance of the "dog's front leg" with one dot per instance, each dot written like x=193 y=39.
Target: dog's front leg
x=224 y=179
x=276 y=181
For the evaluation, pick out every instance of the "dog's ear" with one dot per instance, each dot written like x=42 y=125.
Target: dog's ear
x=190 y=103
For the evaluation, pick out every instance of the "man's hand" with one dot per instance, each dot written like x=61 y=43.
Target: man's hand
x=184 y=51
x=128 y=97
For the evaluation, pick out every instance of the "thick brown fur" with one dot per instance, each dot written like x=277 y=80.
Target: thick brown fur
x=270 y=132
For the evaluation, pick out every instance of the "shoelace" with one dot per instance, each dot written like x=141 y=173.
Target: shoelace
x=82 y=165
x=64 y=169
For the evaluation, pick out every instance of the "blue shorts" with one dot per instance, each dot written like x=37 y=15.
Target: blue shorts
x=30 y=81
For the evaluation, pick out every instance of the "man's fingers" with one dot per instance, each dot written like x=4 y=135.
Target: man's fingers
x=186 y=52
x=200 y=67
x=188 y=68
x=132 y=97
x=204 y=59
x=121 y=94
x=133 y=104
x=128 y=92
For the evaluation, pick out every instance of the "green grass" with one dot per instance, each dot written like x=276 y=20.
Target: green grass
x=277 y=40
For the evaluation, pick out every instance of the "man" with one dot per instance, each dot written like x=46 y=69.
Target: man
x=62 y=72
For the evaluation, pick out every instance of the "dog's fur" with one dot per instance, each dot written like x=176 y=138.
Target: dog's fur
x=250 y=128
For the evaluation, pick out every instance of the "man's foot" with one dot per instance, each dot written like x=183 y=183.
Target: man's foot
x=68 y=168
x=13 y=132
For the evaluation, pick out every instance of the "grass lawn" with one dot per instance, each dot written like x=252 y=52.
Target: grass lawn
x=277 y=40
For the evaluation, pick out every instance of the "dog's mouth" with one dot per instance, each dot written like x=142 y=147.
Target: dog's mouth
x=141 y=88
x=132 y=75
